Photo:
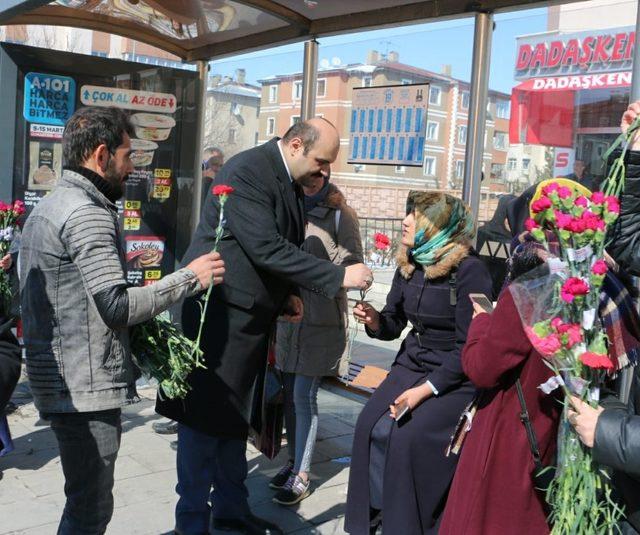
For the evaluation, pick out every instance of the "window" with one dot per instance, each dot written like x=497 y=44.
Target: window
x=400 y=169
x=297 y=90
x=432 y=130
x=459 y=168
x=294 y=119
x=497 y=171
x=236 y=109
x=429 y=165
x=321 y=88
x=271 y=126
x=273 y=93
x=434 y=95
x=462 y=134
x=500 y=140
x=406 y=81
x=233 y=135
x=465 y=100
x=367 y=81
x=526 y=162
x=503 y=109
x=512 y=164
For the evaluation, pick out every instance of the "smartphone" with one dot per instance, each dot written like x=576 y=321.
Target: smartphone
x=402 y=408
x=483 y=301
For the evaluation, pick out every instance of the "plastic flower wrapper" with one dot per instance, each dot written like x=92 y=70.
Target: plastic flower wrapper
x=558 y=305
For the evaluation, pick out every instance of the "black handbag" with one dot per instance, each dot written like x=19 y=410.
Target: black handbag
x=542 y=475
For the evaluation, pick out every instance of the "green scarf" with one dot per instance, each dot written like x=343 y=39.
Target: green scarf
x=426 y=252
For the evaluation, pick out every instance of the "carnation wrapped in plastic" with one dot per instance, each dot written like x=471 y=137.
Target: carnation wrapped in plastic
x=558 y=305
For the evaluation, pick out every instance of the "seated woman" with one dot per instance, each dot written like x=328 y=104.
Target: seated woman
x=399 y=469
x=492 y=491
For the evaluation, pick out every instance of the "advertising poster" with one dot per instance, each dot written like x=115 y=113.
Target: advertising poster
x=388 y=125
x=155 y=208
x=150 y=184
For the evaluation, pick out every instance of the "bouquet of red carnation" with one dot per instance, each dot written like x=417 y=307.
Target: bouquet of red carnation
x=9 y=215
x=558 y=305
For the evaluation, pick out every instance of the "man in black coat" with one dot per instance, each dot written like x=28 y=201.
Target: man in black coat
x=264 y=227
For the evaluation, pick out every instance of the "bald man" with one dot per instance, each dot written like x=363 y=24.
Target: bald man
x=264 y=227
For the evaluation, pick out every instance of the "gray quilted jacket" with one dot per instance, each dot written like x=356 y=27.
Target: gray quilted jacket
x=76 y=305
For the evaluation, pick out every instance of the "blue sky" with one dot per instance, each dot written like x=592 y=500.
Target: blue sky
x=428 y=46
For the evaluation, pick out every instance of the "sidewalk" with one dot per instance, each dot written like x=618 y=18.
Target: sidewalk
x=31 y=482
x=31 y=488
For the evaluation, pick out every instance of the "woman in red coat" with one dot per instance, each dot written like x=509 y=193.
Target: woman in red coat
x=492 y=491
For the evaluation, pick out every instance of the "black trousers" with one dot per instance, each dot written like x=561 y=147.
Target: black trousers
x=89 y=444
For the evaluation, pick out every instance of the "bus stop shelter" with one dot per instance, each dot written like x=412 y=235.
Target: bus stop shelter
x=201 y=30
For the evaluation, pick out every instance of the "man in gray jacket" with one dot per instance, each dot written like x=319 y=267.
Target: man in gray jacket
x=77 y=307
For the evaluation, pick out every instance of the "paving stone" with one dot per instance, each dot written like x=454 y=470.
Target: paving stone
x=322 y=505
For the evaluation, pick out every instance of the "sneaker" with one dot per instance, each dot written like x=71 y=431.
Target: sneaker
x=280 y=479
x=294 y=491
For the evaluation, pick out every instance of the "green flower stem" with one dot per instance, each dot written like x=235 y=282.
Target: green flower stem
x=196 y=352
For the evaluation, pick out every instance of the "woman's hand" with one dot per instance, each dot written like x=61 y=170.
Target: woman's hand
x=6 y=262
x=477 y=309
x=365 y=313
x=584 y=419
x=628 y=117
x=412 y=397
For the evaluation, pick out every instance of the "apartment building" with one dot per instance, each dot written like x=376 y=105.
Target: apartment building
x=380 y=190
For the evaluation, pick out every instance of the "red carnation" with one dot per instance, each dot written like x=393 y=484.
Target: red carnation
x=222 y=189
x=596 y=360
x=572 y=288
x=531 y=224
x=542 y=204
x=613 y=204
x=381 y=241
x=599 y=267
x=18 y=207
x=582 y=201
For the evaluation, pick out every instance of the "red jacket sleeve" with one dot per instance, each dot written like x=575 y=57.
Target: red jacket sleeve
x=496 y=343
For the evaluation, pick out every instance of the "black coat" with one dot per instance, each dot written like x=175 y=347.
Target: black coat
x=617 y=446
x=624 y=238
x=417 y=474
x=10 y=361
x=264 y=227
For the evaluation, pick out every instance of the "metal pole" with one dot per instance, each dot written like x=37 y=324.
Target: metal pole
x=201 y=102
x=477 y=110
x=635 y=79
x=309 y=80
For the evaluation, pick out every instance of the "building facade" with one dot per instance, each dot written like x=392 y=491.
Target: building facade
x=381 y=190
x=231 y=114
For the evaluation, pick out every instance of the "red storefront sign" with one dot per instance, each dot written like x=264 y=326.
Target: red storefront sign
x=581 y=52
x=554 y=68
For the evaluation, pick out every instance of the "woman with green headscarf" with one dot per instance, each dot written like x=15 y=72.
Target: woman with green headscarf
x=399 y=472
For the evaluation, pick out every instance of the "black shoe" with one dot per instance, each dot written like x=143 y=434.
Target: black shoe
x=249 y=524
x=165 y=428
x=280 y=479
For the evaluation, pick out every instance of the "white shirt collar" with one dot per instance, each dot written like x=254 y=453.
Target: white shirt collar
x=284 y=159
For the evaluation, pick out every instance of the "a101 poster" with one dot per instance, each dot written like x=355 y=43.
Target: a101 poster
x=388 y=125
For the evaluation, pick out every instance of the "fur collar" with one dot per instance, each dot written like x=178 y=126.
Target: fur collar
x=437 y=270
